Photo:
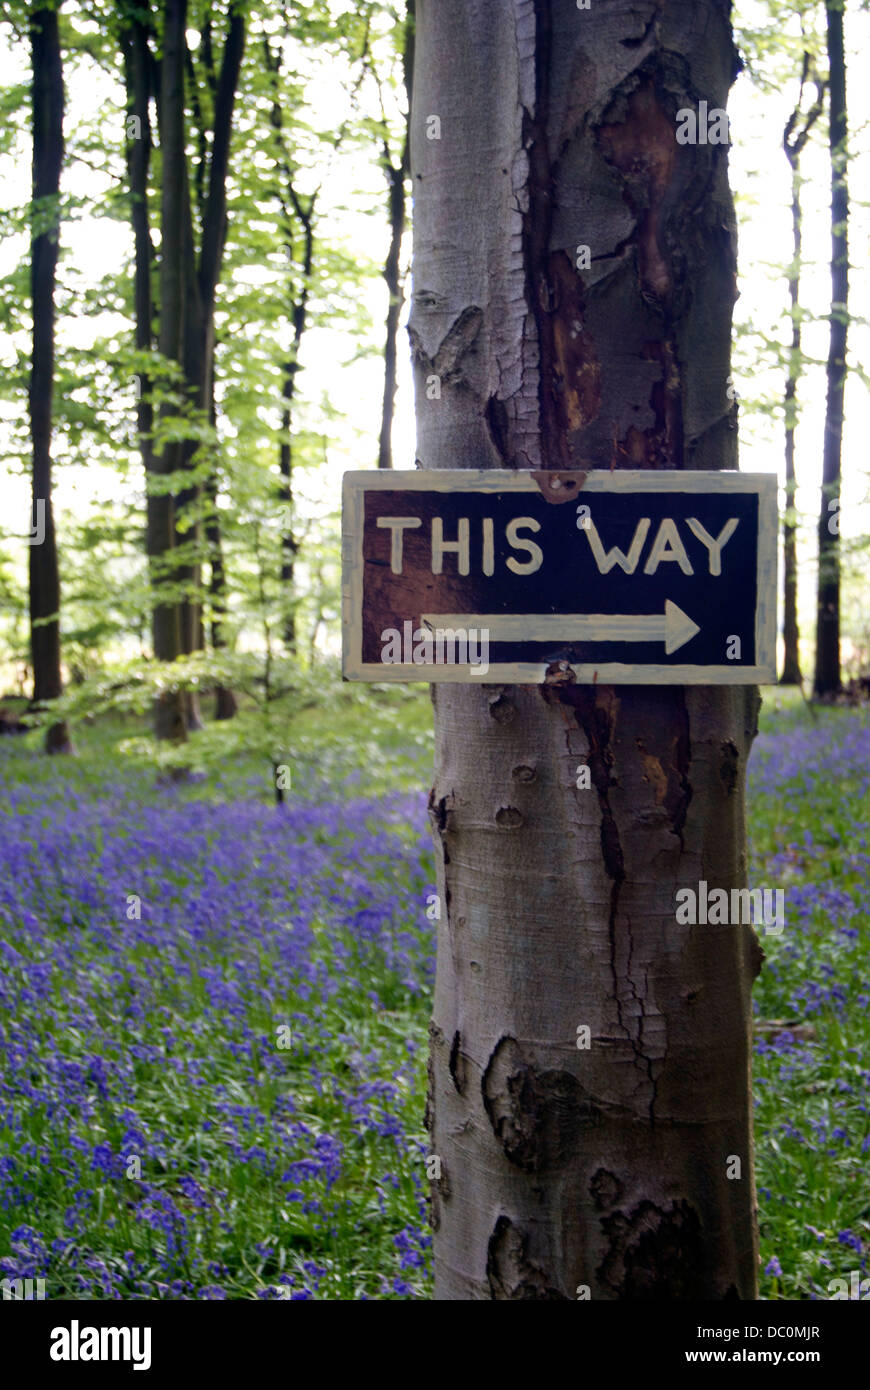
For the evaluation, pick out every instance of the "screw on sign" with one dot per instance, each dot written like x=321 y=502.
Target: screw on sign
x=656 y=577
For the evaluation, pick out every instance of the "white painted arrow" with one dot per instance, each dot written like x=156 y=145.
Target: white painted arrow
x=675 y=628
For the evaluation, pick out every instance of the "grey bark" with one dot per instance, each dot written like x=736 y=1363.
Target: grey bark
x=564 y=1168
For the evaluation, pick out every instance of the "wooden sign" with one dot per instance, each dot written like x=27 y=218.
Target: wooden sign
x=622 y=577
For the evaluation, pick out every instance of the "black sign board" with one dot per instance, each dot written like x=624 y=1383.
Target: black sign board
x=620 y=577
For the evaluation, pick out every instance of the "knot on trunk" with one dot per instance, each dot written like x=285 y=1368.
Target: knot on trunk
x=537 y=1116
x=512 y=1276
x=655 y=1252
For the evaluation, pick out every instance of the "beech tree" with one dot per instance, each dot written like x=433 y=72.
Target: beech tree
x=193 y=220
x=622 y=1169
x=297 y=220
x=48 y=103
x=827 y=672
x=396 y=175
x=797 y=131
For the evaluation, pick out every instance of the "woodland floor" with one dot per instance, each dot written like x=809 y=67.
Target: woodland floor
x=214 y=1013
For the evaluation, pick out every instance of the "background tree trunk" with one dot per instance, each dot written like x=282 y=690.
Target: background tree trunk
x=170 y=709
x=188 y=285
x=795 y=136
x=827 y=673
x=560 y=1168
x=298 y=307
x=226 y=706
x=396 y=176
x=134 y=45
x=199 y=329
x=791 y=671
x=48 y=103
x=298 y=291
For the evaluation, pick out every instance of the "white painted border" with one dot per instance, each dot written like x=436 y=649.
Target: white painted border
x=356 y=484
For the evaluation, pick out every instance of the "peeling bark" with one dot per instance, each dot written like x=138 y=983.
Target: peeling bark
x=569 y=1165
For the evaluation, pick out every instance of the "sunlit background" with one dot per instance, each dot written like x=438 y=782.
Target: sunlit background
x=340 y=387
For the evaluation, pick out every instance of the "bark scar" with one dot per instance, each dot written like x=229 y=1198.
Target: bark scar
x=537 y=1116
x=512 y=1275
x=596 y=720
x=455 y=344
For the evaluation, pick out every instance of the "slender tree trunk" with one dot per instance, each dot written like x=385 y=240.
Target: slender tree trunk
x=226 y=704
x=289 y=541
x=612 y=1169
x=202 y=282
x=289 y=544
x=393 y=277
x=138 y=72
x=791 y=671
x=291 y=206
x=188 y=501
x=170 y=709
x=795 y=136
x=134 y=43
x=396 y=176
x=48 y=104
x=827 y=673
x=188 y=286
x=138 y=76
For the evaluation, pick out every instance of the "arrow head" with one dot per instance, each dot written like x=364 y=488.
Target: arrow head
x=679 y=628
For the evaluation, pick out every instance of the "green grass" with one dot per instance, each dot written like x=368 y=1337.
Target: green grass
x=809 y=818
x=811 y=1117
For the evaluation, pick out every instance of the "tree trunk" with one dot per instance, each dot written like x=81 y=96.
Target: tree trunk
x=170 y=709
x=795 y=136
x=48 y=104
x=288 y=199
x=289 y=542
x=202 y=281
x=564 y=1170
x=791 y=670
x=188 y=286
x=226 y=704
x=188 y=501
x=134 y=43
x=138 y=82
x=396 y=176
x=392 y=275
x=161 y=512
x=827 y=673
